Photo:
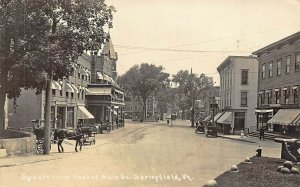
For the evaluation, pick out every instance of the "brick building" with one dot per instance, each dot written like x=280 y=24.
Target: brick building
x=134 y=109
x=238 y=93
x=75 y=100
x=278 y=85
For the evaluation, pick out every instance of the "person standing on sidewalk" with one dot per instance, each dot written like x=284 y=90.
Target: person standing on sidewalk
x=262 y=134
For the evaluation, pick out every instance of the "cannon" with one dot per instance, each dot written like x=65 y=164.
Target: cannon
x=289 y=149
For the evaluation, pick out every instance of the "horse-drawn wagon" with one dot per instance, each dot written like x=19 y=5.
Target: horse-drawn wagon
x=105 y=127
x=88 y=135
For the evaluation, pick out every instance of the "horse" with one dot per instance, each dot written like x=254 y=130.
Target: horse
x=61 y=134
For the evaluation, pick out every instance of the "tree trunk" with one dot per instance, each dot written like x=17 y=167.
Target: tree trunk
x=47 y=140
x=144 y=109
x=2 y=109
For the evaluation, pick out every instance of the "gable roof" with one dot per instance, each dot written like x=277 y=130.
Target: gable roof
x=109 y=50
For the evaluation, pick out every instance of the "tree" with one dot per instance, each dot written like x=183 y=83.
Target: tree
x=189 y=89
x=165 y=98
x=65 y=29
x=143 y=80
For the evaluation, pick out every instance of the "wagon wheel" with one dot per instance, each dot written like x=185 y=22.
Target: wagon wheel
x=39 y=148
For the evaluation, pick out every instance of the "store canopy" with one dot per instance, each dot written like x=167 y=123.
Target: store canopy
x=83 y=113
x=286 y=117
x=263 y=110
x=207 y=118
x=226 y=118
x=99 y=76
x=75 y=88
x=69 y=88
x=99 y=91
x=218 y=115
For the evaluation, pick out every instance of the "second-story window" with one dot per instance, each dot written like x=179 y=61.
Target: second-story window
x=263 y=71
x=297 y=62
x=279 y=67
x=288 y=64
x=277 y=96
x=271 y=69
x=269 y=95
x=244 y=99
x=244 y=77
x=262 y=97
x=296 y=94
x=286 y=94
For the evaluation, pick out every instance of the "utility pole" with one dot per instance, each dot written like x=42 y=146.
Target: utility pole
x=193 y=99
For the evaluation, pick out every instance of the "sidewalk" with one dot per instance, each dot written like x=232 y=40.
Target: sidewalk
x=69 y=150
x=240 y=138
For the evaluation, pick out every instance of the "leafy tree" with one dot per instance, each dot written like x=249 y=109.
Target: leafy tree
x=190 y=88
x=65 y=29
x=143 y=80
x=165 y=98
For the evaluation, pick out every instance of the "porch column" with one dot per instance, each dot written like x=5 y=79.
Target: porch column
x=55 y=116
x=65 y=117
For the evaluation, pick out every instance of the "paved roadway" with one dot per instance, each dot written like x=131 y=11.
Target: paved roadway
x=148 y=154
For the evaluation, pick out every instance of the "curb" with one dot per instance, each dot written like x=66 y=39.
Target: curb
x=241 y=140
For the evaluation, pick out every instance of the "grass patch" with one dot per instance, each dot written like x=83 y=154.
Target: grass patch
x=261 y=173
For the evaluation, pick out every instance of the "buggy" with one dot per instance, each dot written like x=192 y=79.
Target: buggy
x=105 y=127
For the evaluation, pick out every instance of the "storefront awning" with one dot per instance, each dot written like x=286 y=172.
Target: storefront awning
x=207 y=118
x=69 y=88
x=83 y=113
x=99 y=91
x=218 y=115
x=225 y=118
x=286 y=117
x=263 y=110
x=99 y=76
x=75 y=89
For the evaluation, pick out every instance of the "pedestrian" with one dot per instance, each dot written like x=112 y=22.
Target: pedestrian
x=262 y=134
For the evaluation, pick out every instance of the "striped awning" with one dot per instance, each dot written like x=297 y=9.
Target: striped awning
x=207 y=118
x=99 y=76
x=226 y=118
x=69 y=88
x=218 y=115
x=83 y=113
x=75 y=88
x=286 y=117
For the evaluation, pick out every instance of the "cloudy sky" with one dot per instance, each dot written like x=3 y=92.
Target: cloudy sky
x=197 y=34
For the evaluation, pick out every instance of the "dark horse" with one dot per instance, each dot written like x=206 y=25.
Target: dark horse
x=61 y=134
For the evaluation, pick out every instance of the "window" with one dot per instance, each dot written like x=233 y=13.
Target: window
x=270 y=69
x=288 y=64
x=130 y=107
x=243 y=98
x=269 y=95
x=277 y=96
x=263 y=71
x=296 y=94
x=72 y=95
x=53 y=92
x=78 y=74
x=244 y=77
x=67 y=94
x=60 y=92
x=286 y=94
x=279 y=67
x=230 y=79
x=135 y=107
x=262 y=97
x=229 y=98
x=297 y=62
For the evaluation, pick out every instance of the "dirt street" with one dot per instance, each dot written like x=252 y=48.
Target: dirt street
x=147 y=154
